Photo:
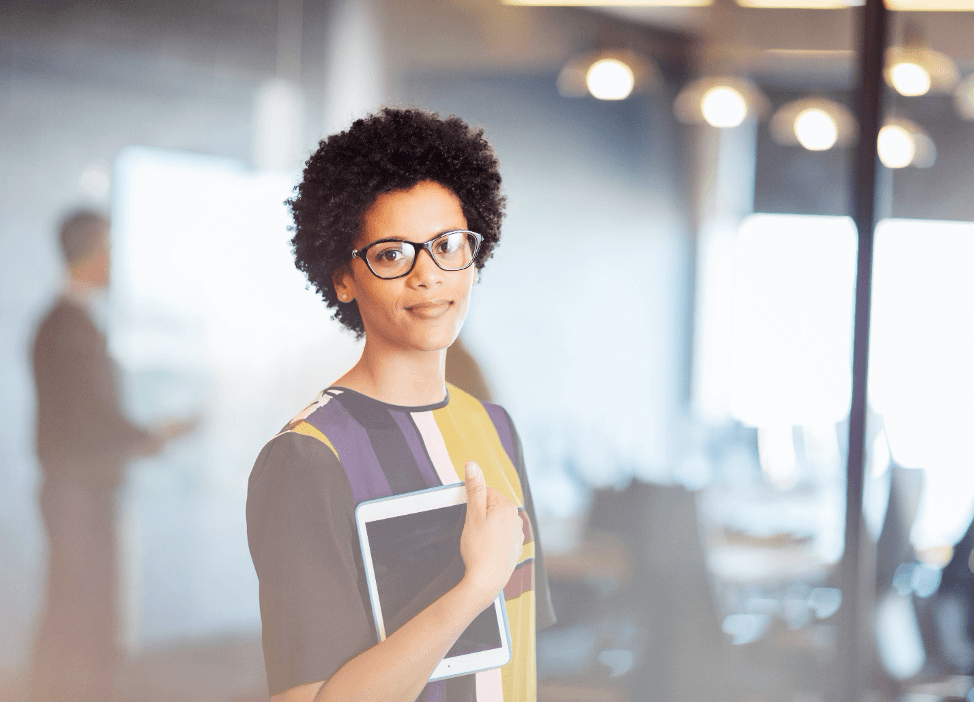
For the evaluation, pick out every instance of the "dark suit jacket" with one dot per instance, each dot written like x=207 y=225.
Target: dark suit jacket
x=82 y=433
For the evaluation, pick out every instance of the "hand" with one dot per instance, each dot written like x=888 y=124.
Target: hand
x=162 y=434
x=175 y=428
x=492 y=537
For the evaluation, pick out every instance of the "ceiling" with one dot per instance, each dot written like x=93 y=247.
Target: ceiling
x=173 y=42
x=798 y=44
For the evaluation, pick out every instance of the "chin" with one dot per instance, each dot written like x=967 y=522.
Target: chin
x=435 y=341
x=421 y=336
x=438 y=335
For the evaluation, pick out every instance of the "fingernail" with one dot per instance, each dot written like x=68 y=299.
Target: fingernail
x=473 y=470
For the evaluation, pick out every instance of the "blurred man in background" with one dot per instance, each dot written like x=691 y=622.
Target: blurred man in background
x=83 y=443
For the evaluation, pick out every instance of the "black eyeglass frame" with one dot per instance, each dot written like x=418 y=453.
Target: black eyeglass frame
x=428 y=245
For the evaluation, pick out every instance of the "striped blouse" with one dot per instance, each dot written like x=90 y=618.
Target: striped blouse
x=343 y=449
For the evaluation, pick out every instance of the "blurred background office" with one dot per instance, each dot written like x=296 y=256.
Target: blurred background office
x=669 y=319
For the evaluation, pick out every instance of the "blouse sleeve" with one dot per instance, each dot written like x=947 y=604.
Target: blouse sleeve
x=300 y=526
x=545 y=612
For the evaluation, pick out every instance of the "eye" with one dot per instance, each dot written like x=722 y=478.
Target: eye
x=449 y=243
x=388 y=254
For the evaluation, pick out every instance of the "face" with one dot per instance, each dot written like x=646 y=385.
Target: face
x=94 y=270
x=425 y=309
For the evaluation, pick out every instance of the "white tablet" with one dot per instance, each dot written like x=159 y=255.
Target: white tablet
x=411 y=552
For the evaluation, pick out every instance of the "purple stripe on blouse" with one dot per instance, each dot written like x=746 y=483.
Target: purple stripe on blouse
x=503 y=426
x=416 y=446
x=355 y=453
x=434 y=692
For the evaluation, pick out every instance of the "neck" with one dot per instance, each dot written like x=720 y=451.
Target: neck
x=81 y=291
x=400 y=377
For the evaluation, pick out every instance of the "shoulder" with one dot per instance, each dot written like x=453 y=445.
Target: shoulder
x=297 y=480
x=64 y=320
x=300 y=453
x=463 y=402
x=472 y=409
x=308 y=423
x=64 y=311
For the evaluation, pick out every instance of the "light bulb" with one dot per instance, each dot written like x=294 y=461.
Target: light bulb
x=816 y=129
x=964 y=98
x=610 y=79
x=723 y=106
x=909 y=78
x=896 y=146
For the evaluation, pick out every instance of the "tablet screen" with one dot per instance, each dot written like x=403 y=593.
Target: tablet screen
x=416 y=558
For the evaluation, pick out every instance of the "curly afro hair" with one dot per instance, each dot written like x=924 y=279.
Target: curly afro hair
x=394 y=149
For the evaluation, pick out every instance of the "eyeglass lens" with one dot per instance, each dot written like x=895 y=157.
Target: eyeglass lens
x=451 y=251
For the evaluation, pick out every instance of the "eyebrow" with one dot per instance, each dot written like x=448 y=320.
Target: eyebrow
x=393 y=238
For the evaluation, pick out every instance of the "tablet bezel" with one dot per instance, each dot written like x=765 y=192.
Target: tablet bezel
x=410 y=503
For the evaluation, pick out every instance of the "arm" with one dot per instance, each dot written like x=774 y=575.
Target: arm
x=397 y=669
x=79 y=413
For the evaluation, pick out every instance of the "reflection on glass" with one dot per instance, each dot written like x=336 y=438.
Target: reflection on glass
x=779 y=328
x=921 y=378
x=792 y=320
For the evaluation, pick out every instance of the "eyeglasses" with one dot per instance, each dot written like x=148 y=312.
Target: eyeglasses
x=395 y=258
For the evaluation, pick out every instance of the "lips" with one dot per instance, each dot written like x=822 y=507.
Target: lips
x=429 y=309
x=428 y=304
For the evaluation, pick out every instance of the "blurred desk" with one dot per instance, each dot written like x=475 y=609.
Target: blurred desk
x=568 y=692
x=601 y=557
x=770 y=563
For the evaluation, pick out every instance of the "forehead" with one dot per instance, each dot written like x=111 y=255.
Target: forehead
x=415 y=214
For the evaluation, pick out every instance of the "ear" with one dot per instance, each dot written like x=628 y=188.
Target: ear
x=340 y=279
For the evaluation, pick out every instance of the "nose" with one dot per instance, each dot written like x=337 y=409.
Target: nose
x=425 y=272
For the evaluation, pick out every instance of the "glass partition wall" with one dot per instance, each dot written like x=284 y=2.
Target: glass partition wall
x=919 y=460
x=769 y=558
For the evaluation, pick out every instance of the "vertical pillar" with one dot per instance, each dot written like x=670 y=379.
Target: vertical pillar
x=278 y=136
x=857 y=577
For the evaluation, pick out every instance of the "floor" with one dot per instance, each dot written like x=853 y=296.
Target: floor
x=222 y=670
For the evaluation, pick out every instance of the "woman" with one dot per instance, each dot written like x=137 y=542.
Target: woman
x=393 y=220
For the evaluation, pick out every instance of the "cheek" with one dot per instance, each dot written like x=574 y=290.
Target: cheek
x=378 y=302
x=472 y=280
x=463 y=293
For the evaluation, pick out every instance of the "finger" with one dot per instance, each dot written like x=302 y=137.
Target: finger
x=476 y=492
x=497 y=500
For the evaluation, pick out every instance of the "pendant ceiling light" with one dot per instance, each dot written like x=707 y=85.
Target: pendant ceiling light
x=610 y=3
x=930 y=5
x=903 y=143
x=610 y=74
x=915 y=69
x=801 y=4
x=816 y=123
x=722 y=102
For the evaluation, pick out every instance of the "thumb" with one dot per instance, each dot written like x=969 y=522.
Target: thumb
x=476 y=492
